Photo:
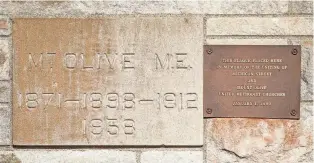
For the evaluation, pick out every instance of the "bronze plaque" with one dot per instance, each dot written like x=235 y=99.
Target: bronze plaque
x=257 y=81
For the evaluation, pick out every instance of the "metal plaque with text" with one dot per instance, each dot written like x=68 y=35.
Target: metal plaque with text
x=258 y=81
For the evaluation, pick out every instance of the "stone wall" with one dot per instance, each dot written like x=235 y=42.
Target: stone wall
x=225 y=139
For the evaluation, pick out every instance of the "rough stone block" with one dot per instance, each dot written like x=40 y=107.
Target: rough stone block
x=4 y=25
x=238 y=7
x=5 y=59
x=259 y=26
x=5 y=124
x=110 y=81
x=172 y=157
x=306 y=66
x=301 y=7
x=96 y=8
x=306 y=57
x=5 y=91
x=245 y=41
x=68 y=156
x=265 y=140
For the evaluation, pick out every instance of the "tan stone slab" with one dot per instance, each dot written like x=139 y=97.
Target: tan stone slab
x=110 y=81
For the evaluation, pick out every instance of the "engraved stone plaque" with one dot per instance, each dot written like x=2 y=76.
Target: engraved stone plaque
x=109 y=81
x=258 y=81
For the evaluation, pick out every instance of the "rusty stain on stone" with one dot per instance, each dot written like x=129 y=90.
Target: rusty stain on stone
x=3 y=24
x=247 y=136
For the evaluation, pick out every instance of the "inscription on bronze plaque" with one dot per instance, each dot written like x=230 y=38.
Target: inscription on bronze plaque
x=259 y=81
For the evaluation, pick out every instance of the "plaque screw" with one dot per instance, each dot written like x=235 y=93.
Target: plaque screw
x=210 y=51
x=209 y=111
x=293 y=113
x=294 y=51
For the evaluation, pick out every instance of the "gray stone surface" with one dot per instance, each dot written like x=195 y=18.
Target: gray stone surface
x=5 y=25
x=246 y=41
x=5 y=91
x=88 y=8
x=5 y=124
x=306 y=66
x=301 y=7
x=259 y=26
x=261 y=140
x=172 y=157
x=67 y=156
x=241 y=7
x=306 y=56
x=5 y=58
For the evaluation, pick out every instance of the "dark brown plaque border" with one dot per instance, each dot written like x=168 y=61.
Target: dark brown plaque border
x=213 y=105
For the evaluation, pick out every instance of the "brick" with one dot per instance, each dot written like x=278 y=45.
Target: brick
x=5 y=124
x=266 y=140
x=259 y=26
x=130 y=97
x=5 y=59
x=306 y=57
x=172 y=157
x=68 y=156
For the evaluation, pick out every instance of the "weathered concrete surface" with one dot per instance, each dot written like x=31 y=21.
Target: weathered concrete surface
x=259 y=26
x=67 y=156
x=172 y=157
x=110 y=81
x=306 y=56
x=5 y=124
x=5 y=58
x=261 y=140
